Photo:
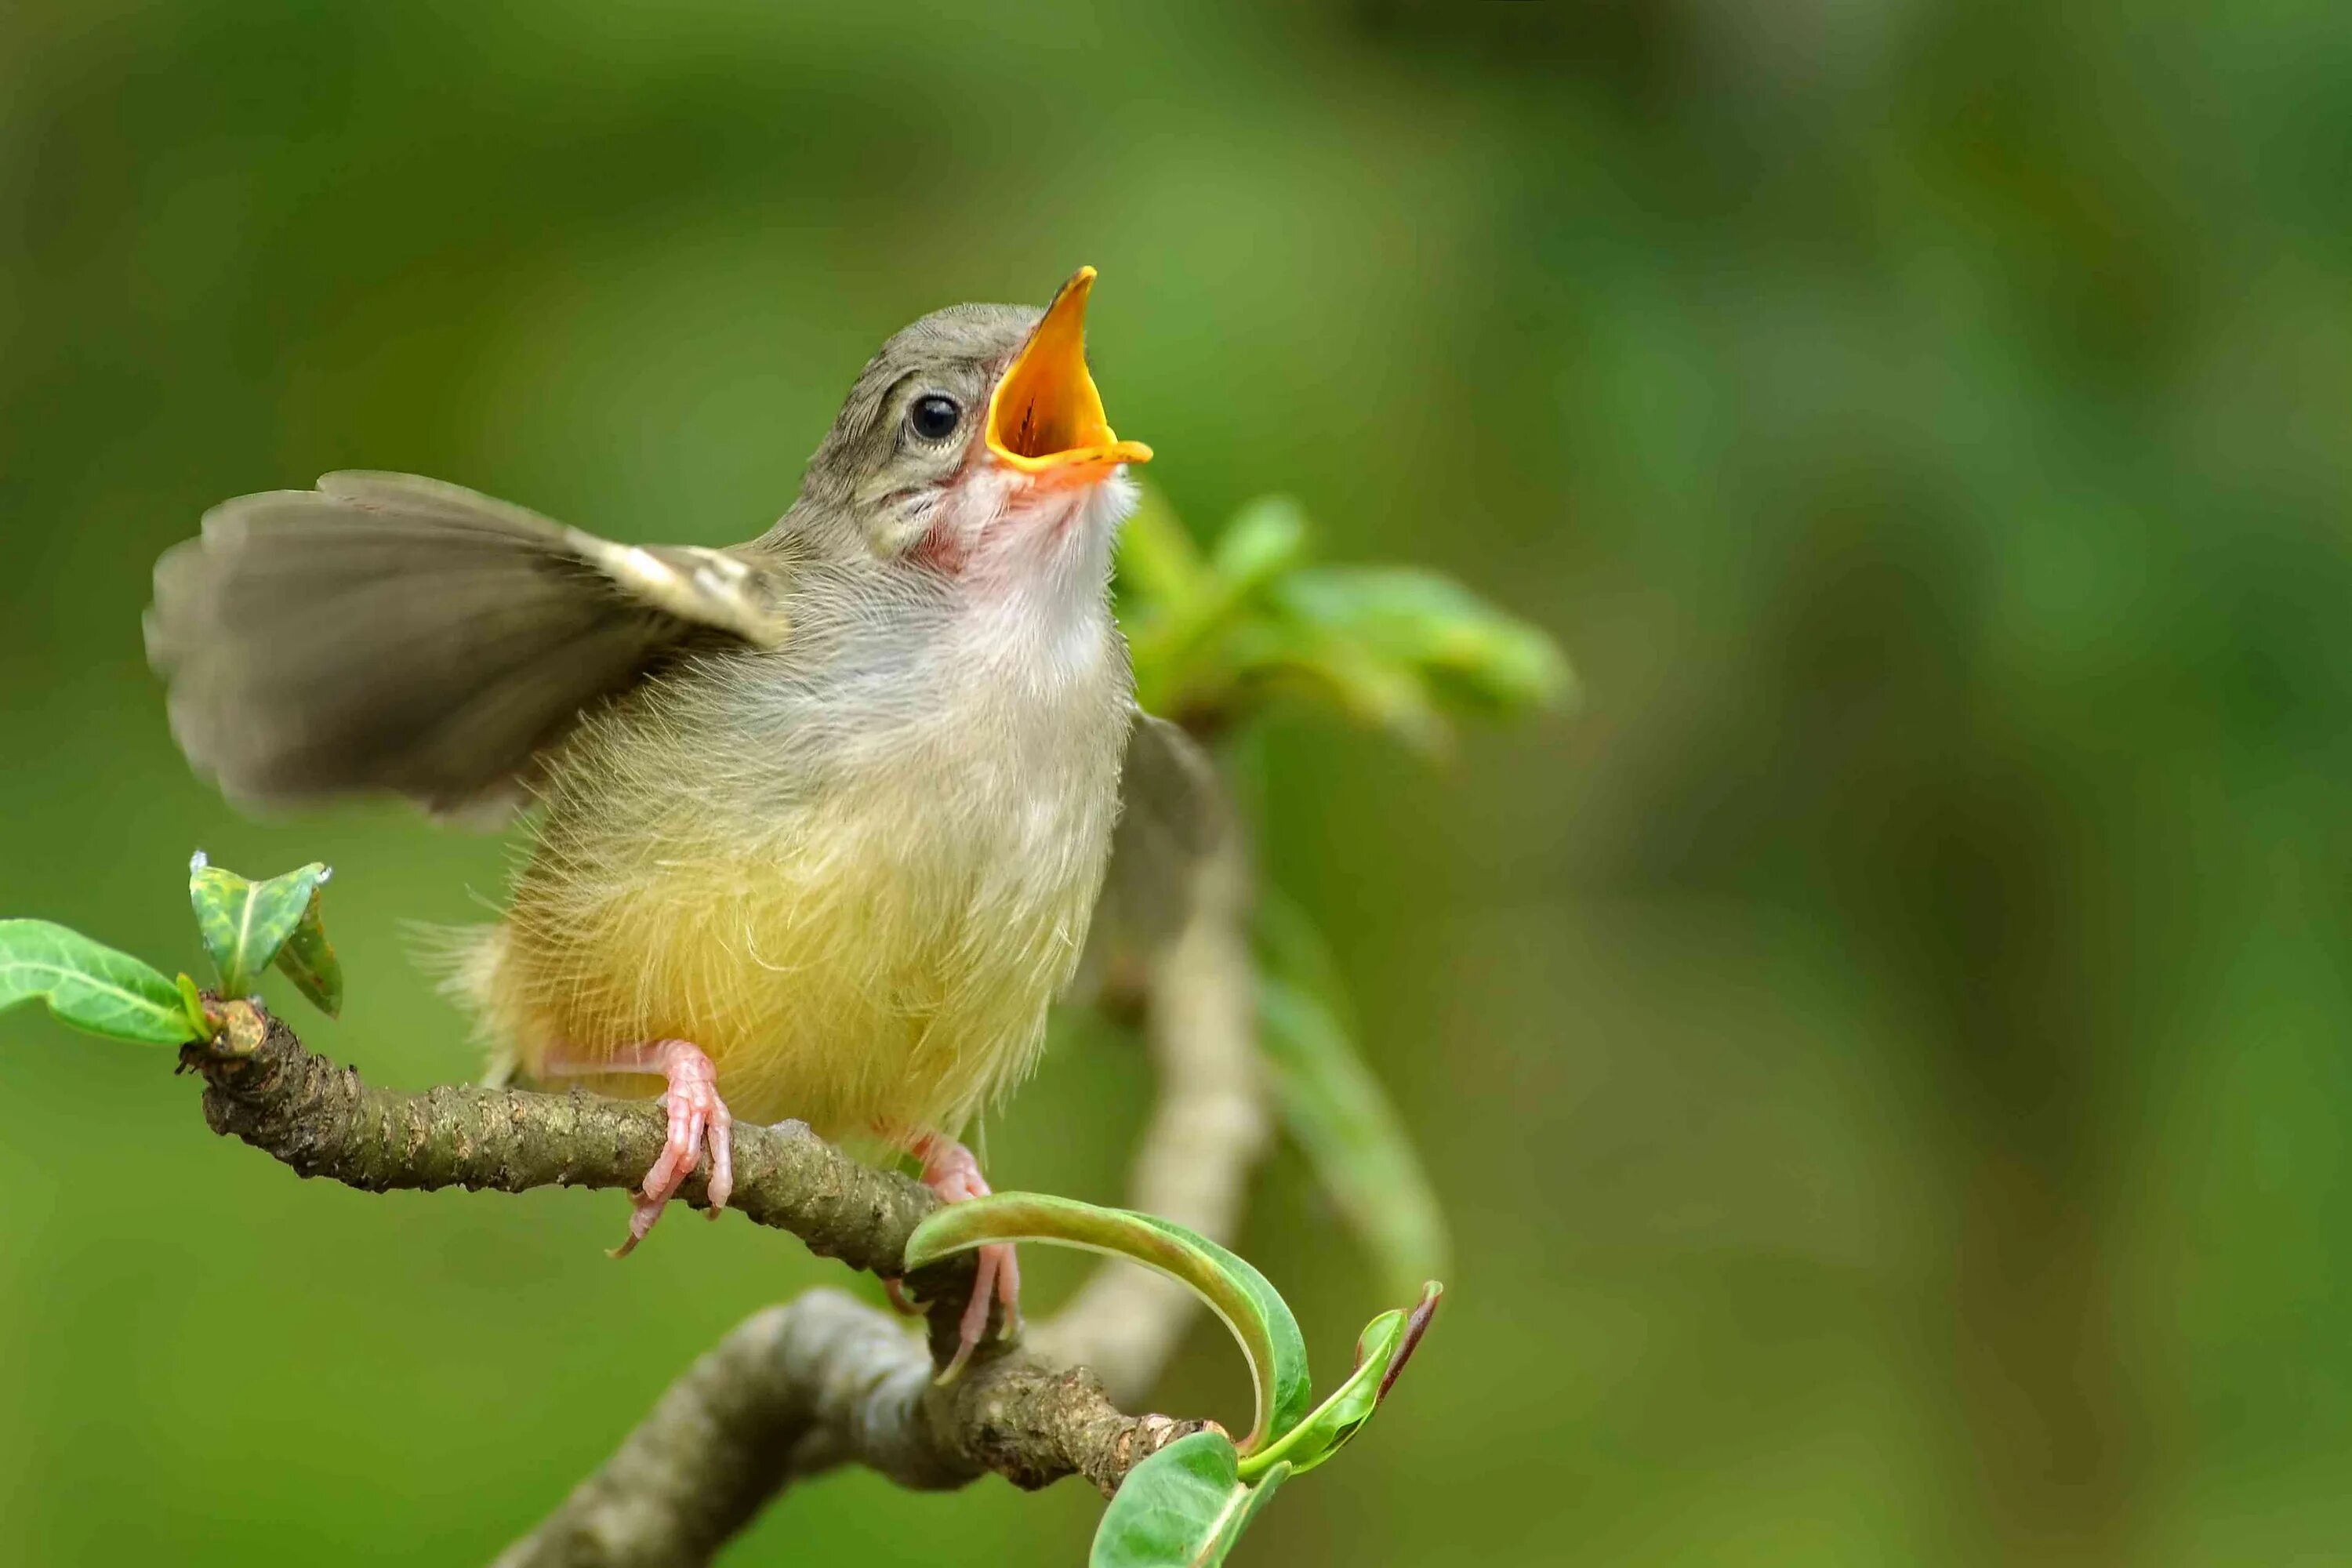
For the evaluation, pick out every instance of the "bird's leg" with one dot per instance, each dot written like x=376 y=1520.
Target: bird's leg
x=949 y=1170
x=697 y=1115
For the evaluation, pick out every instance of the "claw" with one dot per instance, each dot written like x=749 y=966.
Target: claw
x=697 y=1117
x=951 y=1171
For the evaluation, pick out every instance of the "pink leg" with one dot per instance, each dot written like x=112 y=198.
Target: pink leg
x=949 y=1170
x=697 y=1115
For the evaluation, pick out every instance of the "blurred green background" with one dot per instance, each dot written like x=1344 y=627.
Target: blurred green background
x=1884 y=1057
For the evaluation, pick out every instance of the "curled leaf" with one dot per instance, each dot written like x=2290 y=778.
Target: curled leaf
x=91 y=986
x=1251 y=1309
x=1387 y=1342
x=1184 y=1507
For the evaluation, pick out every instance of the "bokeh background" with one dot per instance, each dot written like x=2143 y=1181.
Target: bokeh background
x=1885 y=1056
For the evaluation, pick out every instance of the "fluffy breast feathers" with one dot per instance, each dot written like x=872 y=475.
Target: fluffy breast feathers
x=853 y=871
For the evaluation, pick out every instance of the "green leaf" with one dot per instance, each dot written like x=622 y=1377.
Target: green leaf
x=1177 y=636
x=1257 y=1315
x=1469 y=651
x=1342 y=670
x=1184 y=1507
x=1266 y=538
x=1387 y=1342
x=1334 y=1108
x=308 y=959
x=1397 y=648
x=92 y=987
x=1159 y=564
x=245 y=923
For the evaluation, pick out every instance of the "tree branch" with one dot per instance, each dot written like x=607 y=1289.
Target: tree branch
x=322 y=1120
x=731 y=1432
x=795 y=1390
x=824 y=1380
x=1011 y=1414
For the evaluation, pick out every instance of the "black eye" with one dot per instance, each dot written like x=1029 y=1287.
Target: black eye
x=933 y=417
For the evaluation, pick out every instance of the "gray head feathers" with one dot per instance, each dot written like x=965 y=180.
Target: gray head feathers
x=957 y=352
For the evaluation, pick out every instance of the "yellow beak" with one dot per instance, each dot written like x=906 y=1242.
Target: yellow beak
x=1045 y=417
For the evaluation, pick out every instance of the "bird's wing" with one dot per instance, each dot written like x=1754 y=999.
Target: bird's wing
x=1173 y=818
x=385 y=632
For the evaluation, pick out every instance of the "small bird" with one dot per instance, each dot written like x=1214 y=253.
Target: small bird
x=819 y=820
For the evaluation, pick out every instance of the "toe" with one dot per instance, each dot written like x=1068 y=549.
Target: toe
x=722 y=1156
x=678 y=1155
x=975 y=1323
x=1008 y=1287
x=698 y=1122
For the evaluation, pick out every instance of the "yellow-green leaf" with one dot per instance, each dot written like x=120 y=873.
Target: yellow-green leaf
x=1387 y=1342
x=191 y=1002
x=308 y=959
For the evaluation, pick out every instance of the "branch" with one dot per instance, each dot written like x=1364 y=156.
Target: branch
x=795 y=1390
x=726 y=1438
x=322 y=1120
x=824 y=1381
x=1011 y=1414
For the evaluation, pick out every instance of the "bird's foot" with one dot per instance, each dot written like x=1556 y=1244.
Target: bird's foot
x=951 y=1171
x=697 y=1117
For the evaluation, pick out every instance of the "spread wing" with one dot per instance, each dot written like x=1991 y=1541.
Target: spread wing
x=1173 y=818
x=390 y=632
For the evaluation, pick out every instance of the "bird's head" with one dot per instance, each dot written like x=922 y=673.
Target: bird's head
x=974 y=445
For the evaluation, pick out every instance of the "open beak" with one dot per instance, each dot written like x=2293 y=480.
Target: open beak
x=1045 y=417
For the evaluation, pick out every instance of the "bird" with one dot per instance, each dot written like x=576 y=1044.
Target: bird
x=815 y=823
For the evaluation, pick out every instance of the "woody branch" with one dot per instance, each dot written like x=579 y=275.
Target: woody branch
x=825 y=1380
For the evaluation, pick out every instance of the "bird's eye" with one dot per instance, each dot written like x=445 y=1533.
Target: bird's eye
x=933 y=417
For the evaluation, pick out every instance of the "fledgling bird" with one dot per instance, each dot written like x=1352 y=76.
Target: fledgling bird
x=821 y=818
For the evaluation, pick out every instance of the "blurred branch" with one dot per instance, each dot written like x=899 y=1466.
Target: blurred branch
x=731 y=1433
x=824 y=1380
x=1205 y=1136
